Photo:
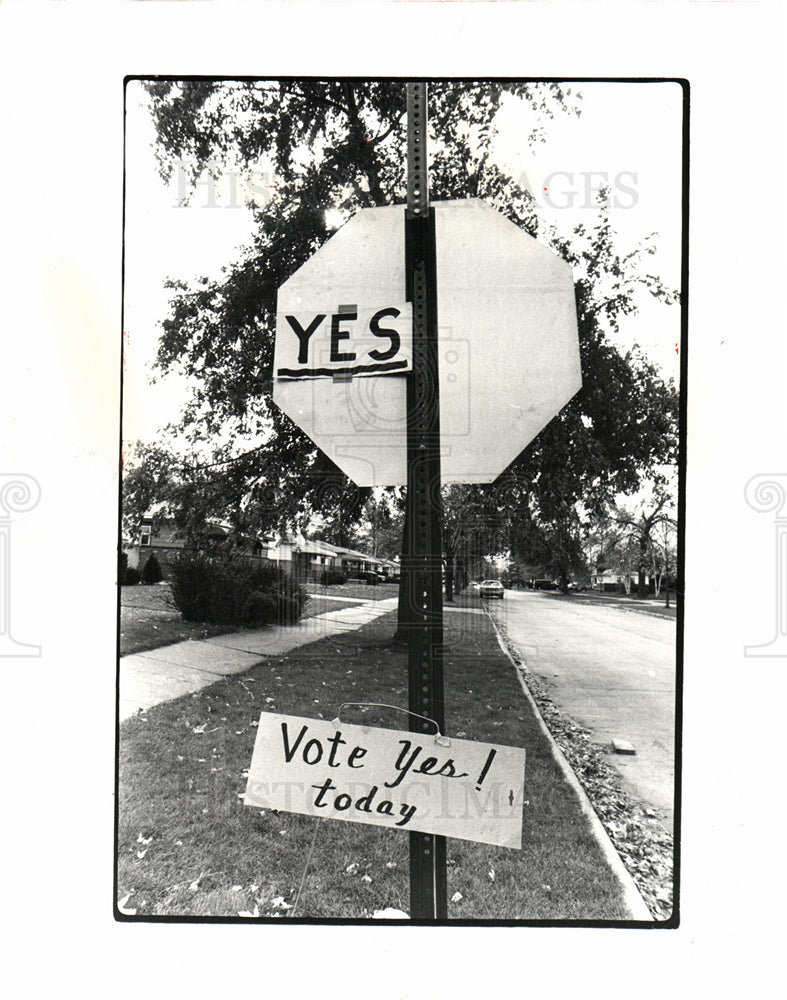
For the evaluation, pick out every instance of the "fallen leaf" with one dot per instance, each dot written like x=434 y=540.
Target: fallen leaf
x=492 y=874
x=351 y=869
x=127 y=910
x=247 y=913
x=457 y=897
x=199 y=729
x=279 y=903
x=366 y=878
x=194 y=886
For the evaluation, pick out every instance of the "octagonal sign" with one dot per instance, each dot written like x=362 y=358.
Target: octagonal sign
x=507 y=343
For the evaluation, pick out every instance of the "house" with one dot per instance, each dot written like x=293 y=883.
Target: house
x=312 y=559
x=616 y=582
x=306 y=559
x=353 y=563
x=159 y=534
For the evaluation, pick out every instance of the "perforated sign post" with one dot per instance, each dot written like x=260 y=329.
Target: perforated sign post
x=393 y=397
x=422 y=559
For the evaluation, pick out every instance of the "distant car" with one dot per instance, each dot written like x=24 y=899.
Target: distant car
x=492 y=588
x=474 y=585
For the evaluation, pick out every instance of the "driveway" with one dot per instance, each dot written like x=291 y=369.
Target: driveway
x=610 y=669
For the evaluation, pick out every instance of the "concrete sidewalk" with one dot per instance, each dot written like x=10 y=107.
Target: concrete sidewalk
x=159 y=675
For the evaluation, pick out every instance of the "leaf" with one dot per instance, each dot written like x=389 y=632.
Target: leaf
x=279 y=903
x=457 y=897
x=123 y=908
x=390 y=913
x=247 y=913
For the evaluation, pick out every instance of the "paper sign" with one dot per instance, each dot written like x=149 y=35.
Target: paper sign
x=388 y=777
x=344 y=340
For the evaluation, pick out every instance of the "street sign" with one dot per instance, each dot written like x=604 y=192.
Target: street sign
x=388 y=777
x=508 y=350
x=341 y=340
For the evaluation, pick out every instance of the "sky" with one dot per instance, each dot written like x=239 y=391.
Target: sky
x=628 y=137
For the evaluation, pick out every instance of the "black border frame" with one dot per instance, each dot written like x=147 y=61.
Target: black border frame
x=673 y=922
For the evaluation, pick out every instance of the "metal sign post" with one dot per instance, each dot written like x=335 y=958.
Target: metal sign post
x=423 y=549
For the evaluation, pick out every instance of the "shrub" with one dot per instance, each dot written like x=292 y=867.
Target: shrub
x=132 y=576
x=151 y=572
x=226 y=590
x=331 y=577
x=122 y=566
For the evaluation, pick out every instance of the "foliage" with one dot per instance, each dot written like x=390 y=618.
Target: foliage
x=151 y=572
x=122 y=567
x=232 y=590
x=338 y=146
x=132 y=576
x=638 y=538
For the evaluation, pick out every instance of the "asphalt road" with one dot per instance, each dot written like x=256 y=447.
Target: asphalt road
x=610 y=669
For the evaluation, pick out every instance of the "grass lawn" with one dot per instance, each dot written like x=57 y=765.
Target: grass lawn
x=319 y=605
x=626 y=602
x=149 y=618
x=187 y=846
x=363 y=591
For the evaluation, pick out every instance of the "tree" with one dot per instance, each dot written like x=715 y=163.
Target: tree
x=644 y=535
x=337 y=146
x=152 y=570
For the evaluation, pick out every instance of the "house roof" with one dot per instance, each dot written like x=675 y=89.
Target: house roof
x=341 y=550
x=315 y=549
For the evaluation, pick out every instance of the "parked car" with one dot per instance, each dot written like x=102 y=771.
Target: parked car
x=492 y=588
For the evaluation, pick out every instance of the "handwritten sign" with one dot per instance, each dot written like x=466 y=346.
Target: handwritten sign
x=388 y=777
x=344 y=340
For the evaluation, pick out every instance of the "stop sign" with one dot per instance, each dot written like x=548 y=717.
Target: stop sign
x=507 y=343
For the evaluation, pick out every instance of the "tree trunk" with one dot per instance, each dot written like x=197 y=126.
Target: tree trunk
x=449 y=577
x=405 y=615
x=641 y=568
x=460 y=574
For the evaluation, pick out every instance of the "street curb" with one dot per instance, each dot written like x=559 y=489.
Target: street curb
x=631 y=894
